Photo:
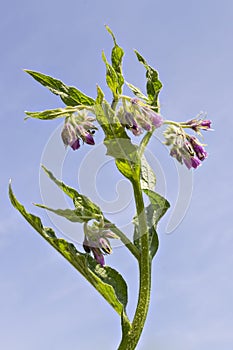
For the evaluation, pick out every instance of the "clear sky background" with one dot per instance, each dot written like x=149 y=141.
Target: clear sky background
x=44 y=303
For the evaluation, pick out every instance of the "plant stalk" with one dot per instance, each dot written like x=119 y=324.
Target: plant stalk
x=130 y=340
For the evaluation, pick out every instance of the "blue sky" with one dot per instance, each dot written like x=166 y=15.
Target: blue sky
x=44 y=303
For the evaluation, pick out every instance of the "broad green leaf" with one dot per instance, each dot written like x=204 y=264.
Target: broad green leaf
x=116 y=58
x=117 y=142
x=153 y=85
x=159 y=204
x=137 y=92
x=52 y=113
x=70 y=95
x=106 y=280
x=85 y=209
x=148 y=179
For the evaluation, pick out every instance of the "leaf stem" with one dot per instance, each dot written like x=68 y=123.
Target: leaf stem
x=145 y=142
x=179 y=125
x=114 y=103
x=132 y=248
x=130 y=340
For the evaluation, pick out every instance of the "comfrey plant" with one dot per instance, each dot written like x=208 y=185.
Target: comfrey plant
x=125 y=117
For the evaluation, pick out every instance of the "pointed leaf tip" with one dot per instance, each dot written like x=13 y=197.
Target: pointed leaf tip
x=70 y=95
x=107 y=281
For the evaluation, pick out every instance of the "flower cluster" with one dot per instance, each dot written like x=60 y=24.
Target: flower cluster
x=185 y=148
x=96 y=240
x=78 y=127
x=138 y=116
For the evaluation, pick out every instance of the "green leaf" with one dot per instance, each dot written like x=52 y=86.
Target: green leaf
x=148 y=179
x=111 y=76
x=154 y=212
x=126 y=168
x=116 y=58
x=106 y=280
x=117 y=142
x=159 y=204
x=151 y=225
x=137 y=92
x=153 y=85
x=52 y=113
x=69 y=94
x=85 y=209
x=71 y=215
x=154 y=241
x=100 y=96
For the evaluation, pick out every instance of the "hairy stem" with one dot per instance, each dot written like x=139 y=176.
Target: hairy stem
x=178 y=124
x=114 y=103
x=130 y=340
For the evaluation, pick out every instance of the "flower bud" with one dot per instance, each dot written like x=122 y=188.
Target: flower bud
x=75 y=145
x=198 y=124
x=195 y=162
x=110 y=234
x=89 y=139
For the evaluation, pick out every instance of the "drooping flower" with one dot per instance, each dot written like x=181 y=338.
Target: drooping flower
x=76 y=127
x=137 y=116
x=131 y=123
x=186 y=149
x=96 y=240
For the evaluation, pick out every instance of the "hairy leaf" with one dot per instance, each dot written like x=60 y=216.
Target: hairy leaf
x=148 y=179
x=106 y=280
x=100 y=96
x=154 y=242
x=154 y=212
x=116 y=58
x=111 y=76
x=159 y=204
x=70 y=95
x=151 y=226
x=137 y=92
x=52 y=113
x=85 y=209
x=69 y=214
x=153 y=85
